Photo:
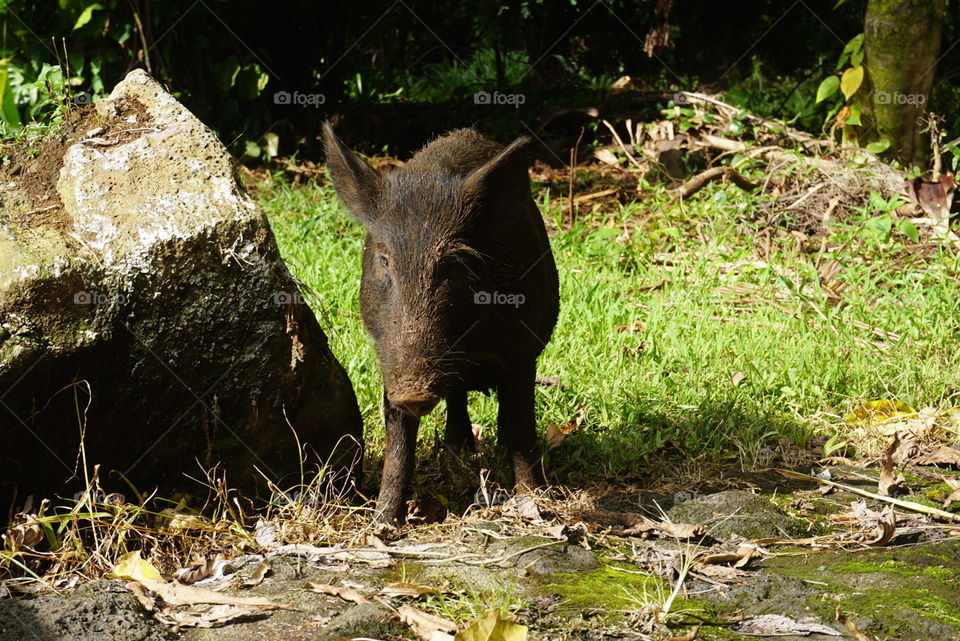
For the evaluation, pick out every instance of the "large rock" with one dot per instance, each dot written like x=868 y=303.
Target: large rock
x=144 y=304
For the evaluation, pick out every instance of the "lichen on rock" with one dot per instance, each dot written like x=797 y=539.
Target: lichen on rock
x=144 y=286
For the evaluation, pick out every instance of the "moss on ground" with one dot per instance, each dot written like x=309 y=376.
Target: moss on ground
x=908 y=593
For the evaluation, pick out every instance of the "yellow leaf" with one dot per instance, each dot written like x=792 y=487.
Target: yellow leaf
x=131 y=566
x=851 y=80
x=879 y=411
x=493 y=627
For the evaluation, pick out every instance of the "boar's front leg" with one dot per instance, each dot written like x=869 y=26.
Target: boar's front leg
x=459 y=433
x=517 y=424
x=398 y=460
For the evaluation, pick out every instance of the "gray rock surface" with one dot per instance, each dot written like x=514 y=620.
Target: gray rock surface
x=144 y=302
x=732 y=512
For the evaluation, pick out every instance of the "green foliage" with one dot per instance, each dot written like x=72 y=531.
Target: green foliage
x=662 y=387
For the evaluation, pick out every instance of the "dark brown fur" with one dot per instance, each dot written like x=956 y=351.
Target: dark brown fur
x=454 y=223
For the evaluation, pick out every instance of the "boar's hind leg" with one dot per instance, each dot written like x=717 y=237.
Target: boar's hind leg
x=459 y=434
x=517 y=425
x=398 y=460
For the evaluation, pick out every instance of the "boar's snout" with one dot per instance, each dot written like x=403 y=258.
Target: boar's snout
x=415 y=404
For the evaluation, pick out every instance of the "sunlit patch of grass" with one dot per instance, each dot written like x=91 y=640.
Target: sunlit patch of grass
x=698 y=306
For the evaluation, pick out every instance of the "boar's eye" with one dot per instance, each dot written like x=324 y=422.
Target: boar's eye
x=384 y=261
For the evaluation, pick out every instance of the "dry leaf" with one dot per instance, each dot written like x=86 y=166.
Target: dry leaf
x=889 y=483
x=347 y=594
x=177 y=594
x=943 y=456
x=682 y=530
x=737 y=378
x=882 y=525
x=407 y=589
x=212 y=565
x=257 y=575
x=424 y=624
x=606 y=156
x=879 y=411
x=493 y=627
x=955 y=495
x=523 y=506
x=557 y=433
x=722 y=573
x=211 y=616
x=780 y=625
x=131 y=566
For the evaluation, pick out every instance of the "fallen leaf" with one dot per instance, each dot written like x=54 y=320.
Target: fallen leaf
x=131 y=566
x=722 y=573
x=889 y=483
x=407 y=589
x=24 y=535
x=523 y=506
x=257 y=575
x=882 y=525
x=954 y=497
x=347 y=594
x=493 y=627
x=212 y=565
x=178 y=594
x=424 y=624
x=606 y=156
x=264 y=533
x=943 y=456
x=737 y=378
x=210 y=616
x=780 y=625
x=557 y=433
x=681 y=530
x=879 y=411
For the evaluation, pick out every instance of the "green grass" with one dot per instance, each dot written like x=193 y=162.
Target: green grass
x=664 y=391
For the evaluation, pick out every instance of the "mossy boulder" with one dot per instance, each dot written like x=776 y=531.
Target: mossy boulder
x=145 y=311
x=725 y=514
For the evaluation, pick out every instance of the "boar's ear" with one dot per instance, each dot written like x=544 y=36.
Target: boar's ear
x=502 y=179
x=356 y=182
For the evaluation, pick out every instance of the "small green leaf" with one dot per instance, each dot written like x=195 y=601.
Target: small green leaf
x=8 y=108
x=878 y=146
x=855 y=44
x=851 y=80
x=856 y=58
x=251 y=149
x=270 y=144
x=827 y=88
x=86 y=14
x=908 y=229
x=880 y=226
x=854 y=117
